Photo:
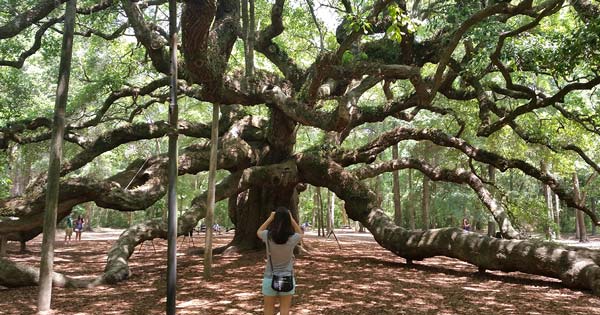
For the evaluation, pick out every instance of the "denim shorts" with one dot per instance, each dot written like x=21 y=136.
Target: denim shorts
x=268 y=291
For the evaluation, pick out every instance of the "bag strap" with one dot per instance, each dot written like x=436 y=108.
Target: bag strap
x=269 y=253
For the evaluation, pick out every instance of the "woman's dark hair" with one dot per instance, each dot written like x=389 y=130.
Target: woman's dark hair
x=281 y=227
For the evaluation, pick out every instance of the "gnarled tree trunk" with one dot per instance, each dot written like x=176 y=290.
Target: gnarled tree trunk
x=255 y=205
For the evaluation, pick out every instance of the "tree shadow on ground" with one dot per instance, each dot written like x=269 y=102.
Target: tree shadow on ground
x=362 y=278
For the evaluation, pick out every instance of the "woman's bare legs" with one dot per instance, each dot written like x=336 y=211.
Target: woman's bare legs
x=285 y=304
x=270 y=305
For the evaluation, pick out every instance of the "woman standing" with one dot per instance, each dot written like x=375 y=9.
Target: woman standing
x=78 y=228
x=281 y=233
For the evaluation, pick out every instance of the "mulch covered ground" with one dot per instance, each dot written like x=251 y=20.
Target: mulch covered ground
x=361 y=278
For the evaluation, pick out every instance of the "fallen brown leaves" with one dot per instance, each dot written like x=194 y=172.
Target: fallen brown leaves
x=362 y=278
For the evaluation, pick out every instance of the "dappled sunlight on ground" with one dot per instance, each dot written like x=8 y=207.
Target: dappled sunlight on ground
x=361 y=278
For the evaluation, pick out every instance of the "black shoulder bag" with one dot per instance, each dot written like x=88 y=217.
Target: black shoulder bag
x=281 y=282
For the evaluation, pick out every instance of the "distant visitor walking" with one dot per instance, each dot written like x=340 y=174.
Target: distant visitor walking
x=281 y=233
x=68 y=229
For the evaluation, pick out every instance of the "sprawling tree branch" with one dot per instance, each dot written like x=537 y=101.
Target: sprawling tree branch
x=576 y=268
x=266 y=46
x=27 y=18
x=137 y=187
x=532 y=105
x=459 y=176
x=155 y=44
x=37 y=43
x=367 y=152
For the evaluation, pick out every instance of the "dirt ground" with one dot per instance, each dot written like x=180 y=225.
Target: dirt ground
x=360 y=278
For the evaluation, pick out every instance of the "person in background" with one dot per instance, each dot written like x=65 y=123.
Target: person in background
x=79 y=228
x=68 y=229
x=282 y=233
x=465 y=225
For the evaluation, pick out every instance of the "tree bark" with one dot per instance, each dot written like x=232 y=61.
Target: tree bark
x=3 y=245
x=278 y=190
x=212 y=172
x=89 y=212
x=396 y=190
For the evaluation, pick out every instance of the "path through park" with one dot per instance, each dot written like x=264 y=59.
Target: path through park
x=361 y=278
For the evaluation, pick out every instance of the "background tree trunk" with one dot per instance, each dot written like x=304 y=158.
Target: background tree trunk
x=321 y=224
x=56 y=150
x=557 y=215
x=345 y=222
x=331 y=213
x=212 y=174
x=21 y=171
x=581 y=232
x=396 y=190
x=593 y=201
x=89 y=213
x=410 y=205
x=315 y=210
x=549 y=231
x=491 y=222
x=425 y=203
x=248 y=26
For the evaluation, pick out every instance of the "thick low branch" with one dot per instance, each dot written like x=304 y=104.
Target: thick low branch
x=136 y=188
x=117 y=267
x=576 y=268
x=19 y=275
x=459 y=176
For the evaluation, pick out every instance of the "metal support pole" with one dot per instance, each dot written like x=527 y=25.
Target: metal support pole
x=172 y=169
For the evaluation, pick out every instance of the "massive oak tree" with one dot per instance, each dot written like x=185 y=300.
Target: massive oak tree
x=489 y=71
